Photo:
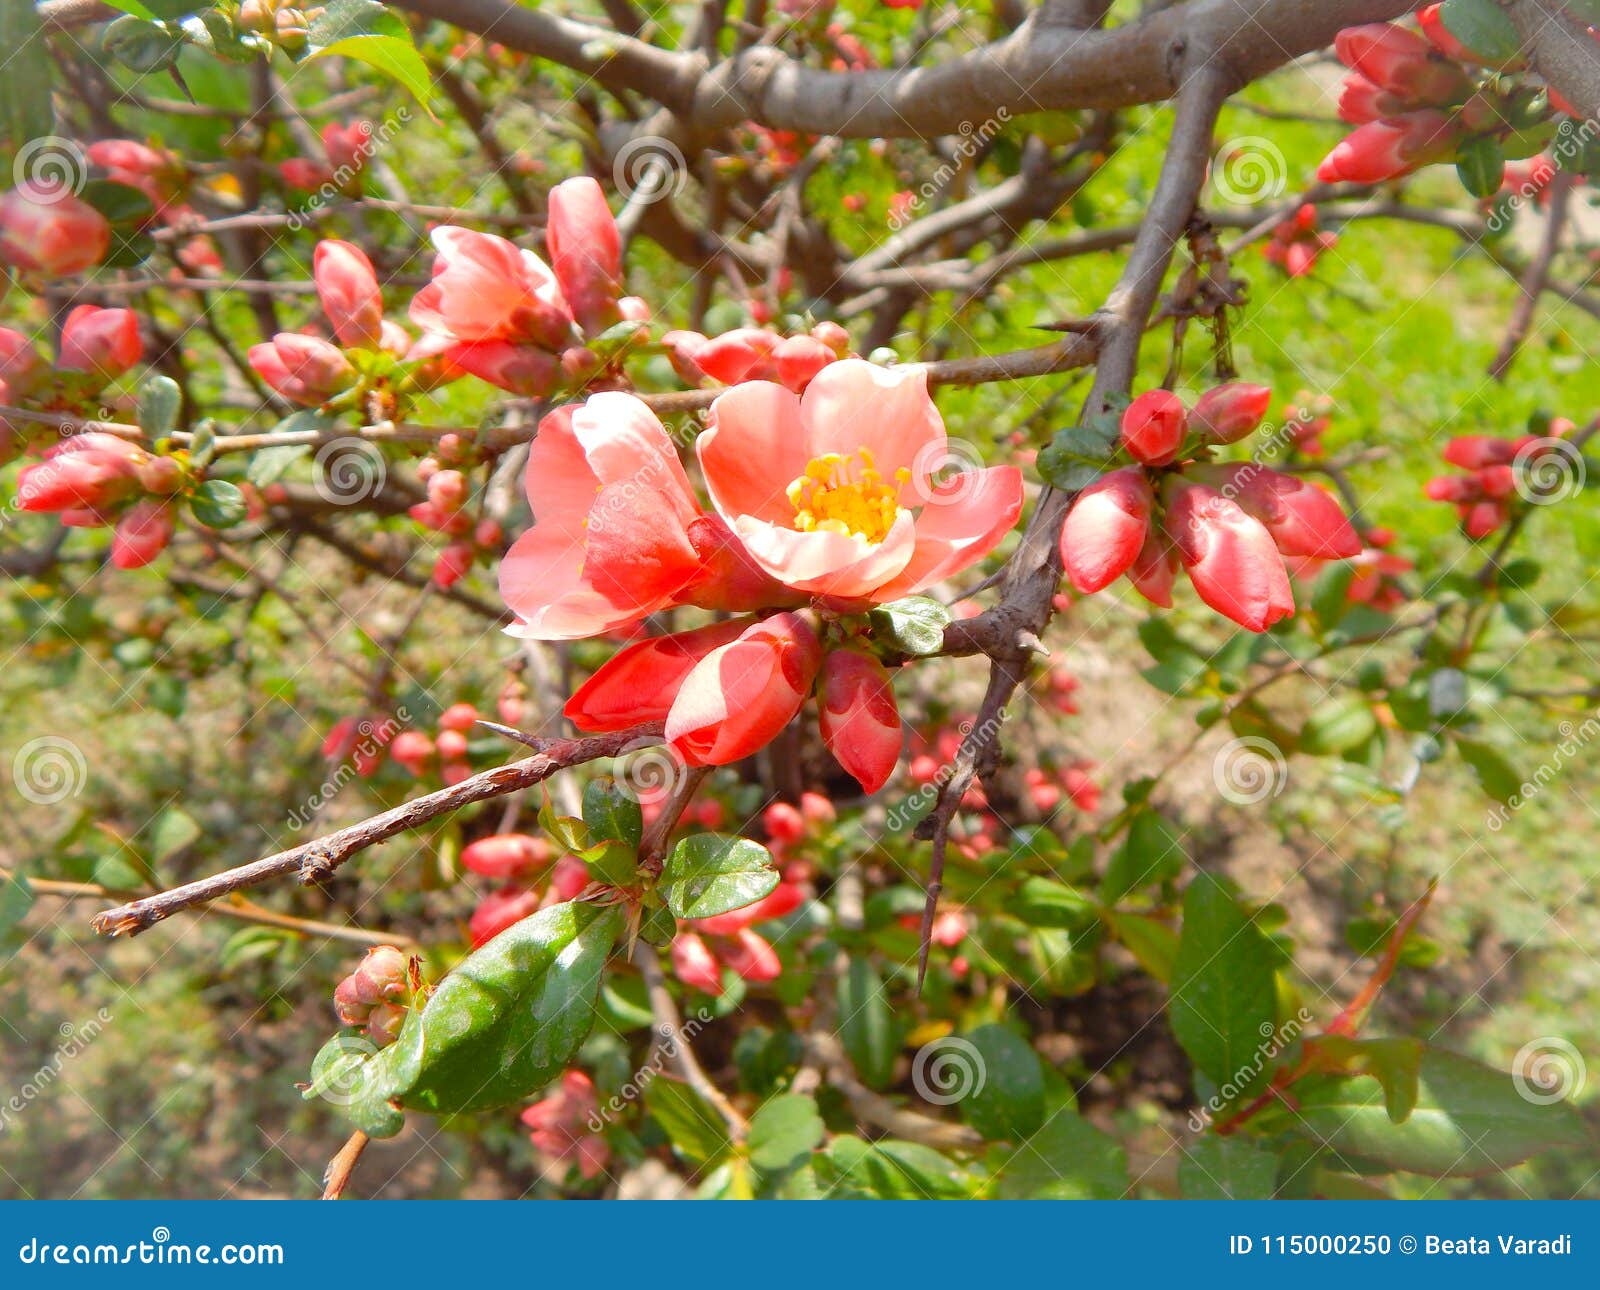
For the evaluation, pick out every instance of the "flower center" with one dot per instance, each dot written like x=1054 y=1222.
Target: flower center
x=836 y=495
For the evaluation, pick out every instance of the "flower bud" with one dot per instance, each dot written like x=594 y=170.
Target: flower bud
x=859 y=718
x=46 y=229
x=142 y=534
x=1153 y=427
x=585 y=252
x=1230 y=412
x=508 y=855
x=1230 y=558
x=1106 y=528
x=348 y=290
x=302 y=368
x=103 y=342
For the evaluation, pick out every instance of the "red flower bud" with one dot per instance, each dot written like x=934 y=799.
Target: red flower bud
x=45 y=229
x=585 y=252
x=1230 y=557
x=1399 y=61
x=640 y=683
x=498 y=911
x=142 y=534
x=22 y=368
x=413 y=750
x=1474 y=451
x=1387 y=149
x=508 y=855
x=1228 y=413
x=859 y=718
x=799 y=359
x=348 y=289
x=1304 y=520
x=694 y=964
x=736 y=355
x=783 y=823
x=102 y=342
x=751 y=956
x=1106 y=528
x=1153 y=427
x=526 y=370
x=302 y=368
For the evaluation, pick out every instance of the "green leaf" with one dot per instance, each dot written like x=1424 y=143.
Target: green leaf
x=785 y=1130
x=16 y=899
x=1009 y=1101
x=121 y=204
x=711 y=873
x=1150 y=941
x=1067 y=1159
x=510 y=1015
x=172 y=831
x=1151 y=853
x=348 y=1072
x=611 y=813
x=1481 y=166
x=1227 y=1169
x=1080 y=454
x=267 y=465
x=692 y=1125
x=914 y=625
x=159 y=401
x=866 y=1023
x=1496 y=776
x=1468 y=1120
x=142 y=46
x=1224 y=1000
x=1330 y=594
x=889 y=1170
x=1338 y=726
x=1482 y=26
x=25 y=111
x=1043 y=902
x=218 y=504
x=395 y=58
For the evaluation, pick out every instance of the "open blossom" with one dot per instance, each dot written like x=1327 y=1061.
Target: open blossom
x=618 y=532
x=46 y=229
x=831 y=492
x=704 y=946
x=485 y=288
x=560 y=1125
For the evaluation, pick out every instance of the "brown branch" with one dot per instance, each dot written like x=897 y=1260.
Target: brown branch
x=1537 y=275
x=317 y=860
x=343 y=1164
x=669 y=1034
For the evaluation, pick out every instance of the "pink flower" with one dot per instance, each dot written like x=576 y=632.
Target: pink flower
x=103 y=342
x=859 y=718
x=303 y=368
x=1401 y=62
x=92 y=472
x=830 y=492
x=618 y=532
x=348 y=290
x=484 y=289
x=1229 y=556
x=45 y=229
x=141 y=534
x=1387 y=149
x=562 y=1125
x=585 y=252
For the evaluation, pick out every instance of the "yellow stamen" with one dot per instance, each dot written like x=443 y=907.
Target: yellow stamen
x=826 y=499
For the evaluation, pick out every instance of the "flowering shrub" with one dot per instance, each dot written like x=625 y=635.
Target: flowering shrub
x=680 y=539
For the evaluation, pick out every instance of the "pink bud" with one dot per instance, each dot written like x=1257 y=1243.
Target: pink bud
x=22 y=367
x=507 y=855
x=500 y=910
x=859 y=718
x=1228 y=413
x=799 y=359
x=447 y=489
x=525 y=370
x=348 y=289
x=458 y=716
x=413 y=750
x=1399 y=61
x=682 y=348
x=585 y=252
x=102 y=342
x=817 y=810
x=634 y=309
x=302 y=368
x=833 y=336
x=347 y=148
x=1152 y=571
x=752 y=957
x=1474 y=451
x=694 y=965
x=783 y=823
x=1153 y=427
x=453 y=564
x=1387 y=149
x=1304 y=520
x=1106 y=528
x=88 y=472
x=1231 y=559
x=45 y=229
x=1360 y=101
x=736 y=355
x=452 y=744
x=142 y=534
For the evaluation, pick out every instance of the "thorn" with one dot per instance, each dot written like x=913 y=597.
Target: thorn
x=517 y=736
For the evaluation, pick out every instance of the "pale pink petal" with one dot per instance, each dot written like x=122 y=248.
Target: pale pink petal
x=854 y=404
x=626 y=444
x=754 y=449
x=541 y=580
x=560 y=483
x=964 y=520
x=843 y=565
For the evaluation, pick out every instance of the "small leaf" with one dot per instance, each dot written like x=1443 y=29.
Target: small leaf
x=1224 y=1000
x=866 y=1023
x=1080 y=454
x=1151 y=853
x=267 y=465
x=1150 y=941
x=914 y=625
x=1482 y=26
x=691 y=1124
x=159 y=401
x=16 y=899
x=1227 y=1169
x=1067 y=1159
x=1043 y=902
x=1009 y=1101
x=1481 y=166
x=25 y=111
x=1338 y=726
x=218 y=504
x=612 y=813
x=172 y=831
x=1496 y=775
x=785 y=1130
x=889 y=1170
x=395 y=58
x=142 y=46
x=710 y=873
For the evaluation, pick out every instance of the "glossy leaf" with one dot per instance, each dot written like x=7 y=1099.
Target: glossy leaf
x=710 y=873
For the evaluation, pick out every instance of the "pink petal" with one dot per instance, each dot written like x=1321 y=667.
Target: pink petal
x=854 y=404
x=754 y=449
x=829 y=564
x=964 y=520
x=626 y=444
